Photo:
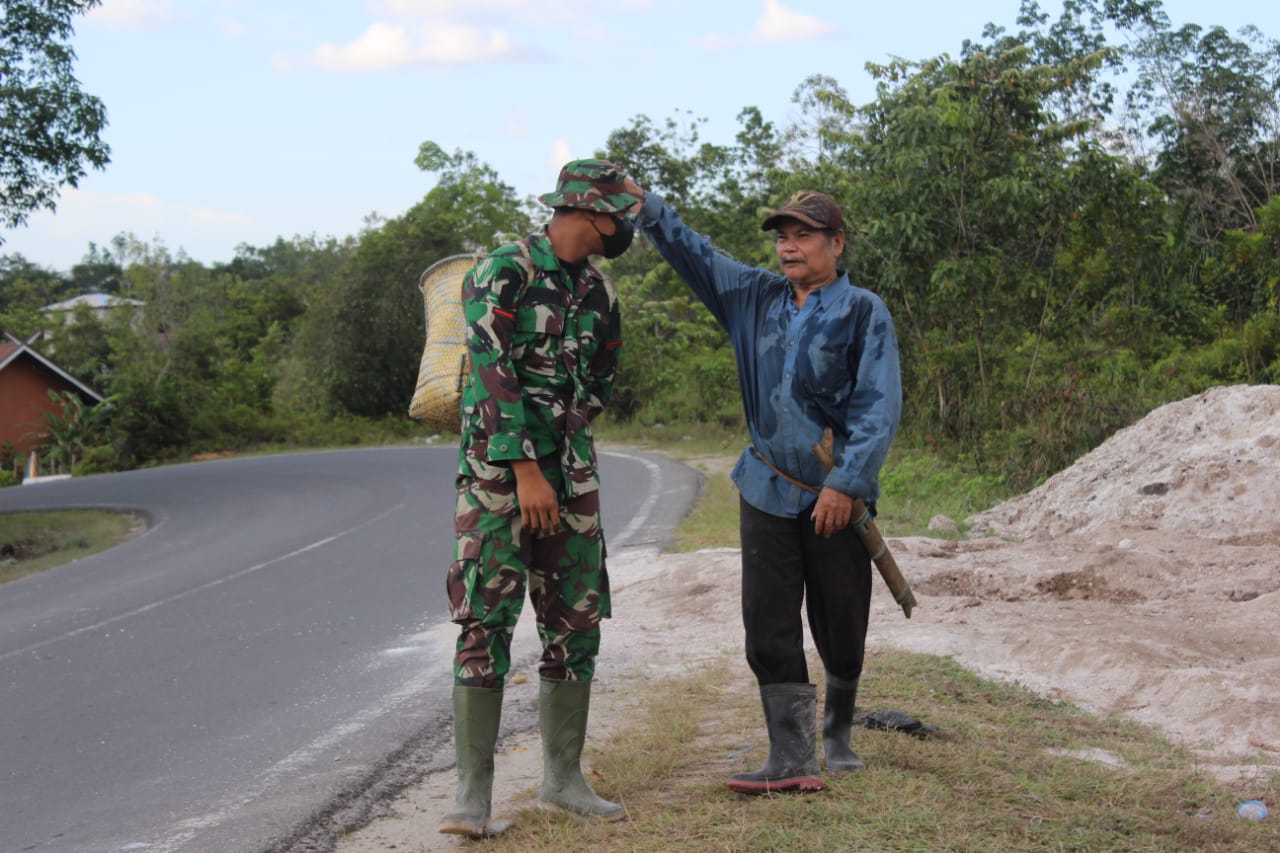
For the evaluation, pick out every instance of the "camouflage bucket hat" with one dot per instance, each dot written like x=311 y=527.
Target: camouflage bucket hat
x=591 y=184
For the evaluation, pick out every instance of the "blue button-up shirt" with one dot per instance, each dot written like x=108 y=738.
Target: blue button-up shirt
x=833 y=363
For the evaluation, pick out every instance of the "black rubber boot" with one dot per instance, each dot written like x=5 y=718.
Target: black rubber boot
x=562 y=716
x=476 y=714
x=791 y=716
x=837 y=724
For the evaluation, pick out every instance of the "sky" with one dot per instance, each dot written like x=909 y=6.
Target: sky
x=238 y=122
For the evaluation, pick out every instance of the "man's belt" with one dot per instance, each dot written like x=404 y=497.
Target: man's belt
x=863 y=525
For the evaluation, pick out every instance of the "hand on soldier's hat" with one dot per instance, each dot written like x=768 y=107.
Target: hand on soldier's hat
x=636 y=190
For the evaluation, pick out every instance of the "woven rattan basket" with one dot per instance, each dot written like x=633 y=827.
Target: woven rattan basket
x=437 y=398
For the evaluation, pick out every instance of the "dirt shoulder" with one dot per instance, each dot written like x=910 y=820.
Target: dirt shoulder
x=1142 y=582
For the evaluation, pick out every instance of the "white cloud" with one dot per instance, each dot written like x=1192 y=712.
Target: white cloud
x=451 y=33
x=381 y=46
x=283 y=64
x=454 y=45
x=780 y=24
x=132 y=14
x=419 y=8
x=485 y=9
x=218 y=218
x=146 y=207
x=386 y=46
x=777 y=25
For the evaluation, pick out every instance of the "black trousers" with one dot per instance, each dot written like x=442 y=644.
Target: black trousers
x=785 y=565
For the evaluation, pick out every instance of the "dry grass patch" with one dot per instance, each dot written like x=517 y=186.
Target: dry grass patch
x=1007 y=770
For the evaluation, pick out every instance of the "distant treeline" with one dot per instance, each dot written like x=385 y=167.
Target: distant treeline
x=1072 y=222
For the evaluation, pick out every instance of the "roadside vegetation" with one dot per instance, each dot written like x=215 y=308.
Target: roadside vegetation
x=34 y=541
x=1104 y=240
x=917 y=484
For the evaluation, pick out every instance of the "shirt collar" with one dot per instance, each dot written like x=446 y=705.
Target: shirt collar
x=842 y=280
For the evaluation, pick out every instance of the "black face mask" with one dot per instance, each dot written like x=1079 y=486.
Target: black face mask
x=620 y=240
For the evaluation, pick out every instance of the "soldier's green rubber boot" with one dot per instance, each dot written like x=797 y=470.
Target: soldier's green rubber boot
x=476 y=714
x=562 y=714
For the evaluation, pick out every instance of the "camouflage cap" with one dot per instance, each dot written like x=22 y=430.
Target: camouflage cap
x=591 y=184
x=815 y=209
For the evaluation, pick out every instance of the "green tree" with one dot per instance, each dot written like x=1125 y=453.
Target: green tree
x=49 y=127
x=188 y=371
x=664 y=159
x=826 y=122
x=25 y=288
x=677 y=362
x=364 y=336
x=966 y=185
x=97 y=272
x=72 y=427
x=294 y=279
x=1208 y=102
x=83 y=347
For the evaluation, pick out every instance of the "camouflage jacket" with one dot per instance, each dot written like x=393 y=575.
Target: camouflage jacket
x=544 y=353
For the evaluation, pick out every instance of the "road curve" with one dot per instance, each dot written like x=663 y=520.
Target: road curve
x=263 y=650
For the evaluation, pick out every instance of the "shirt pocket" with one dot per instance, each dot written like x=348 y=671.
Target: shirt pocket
x=591 y=324
x=823 y=376
x=540 y=327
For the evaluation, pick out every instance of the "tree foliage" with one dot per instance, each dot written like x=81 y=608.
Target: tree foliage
x=1062 y=246
x=1209 y=100
x=72 y=427
x=363 y=335
x=49 y=127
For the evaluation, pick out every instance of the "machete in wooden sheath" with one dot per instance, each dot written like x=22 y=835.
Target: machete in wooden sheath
x=870 y=534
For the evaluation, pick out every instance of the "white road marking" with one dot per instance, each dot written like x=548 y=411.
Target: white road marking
x=138 y=611
x=641 y=518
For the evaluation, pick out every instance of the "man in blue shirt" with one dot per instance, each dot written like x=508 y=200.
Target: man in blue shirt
x=814 y=352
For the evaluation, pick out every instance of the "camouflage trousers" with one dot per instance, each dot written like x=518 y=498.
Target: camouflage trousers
x=496 y=560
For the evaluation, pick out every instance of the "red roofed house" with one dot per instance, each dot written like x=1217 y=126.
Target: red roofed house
x=26 y=377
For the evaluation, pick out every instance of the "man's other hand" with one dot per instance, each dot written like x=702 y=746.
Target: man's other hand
x=832 y=512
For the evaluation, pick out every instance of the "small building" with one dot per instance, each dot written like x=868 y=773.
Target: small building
x=102 y=305
x=26 y=378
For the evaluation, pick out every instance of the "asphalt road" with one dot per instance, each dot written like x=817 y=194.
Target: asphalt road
x=273 y=643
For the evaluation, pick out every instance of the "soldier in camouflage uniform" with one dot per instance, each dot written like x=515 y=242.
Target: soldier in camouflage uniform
x=544 y=340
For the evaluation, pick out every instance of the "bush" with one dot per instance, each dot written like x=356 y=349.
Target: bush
x=350 y=430
x=98 y=460
x=237 y=427
x=918 y=483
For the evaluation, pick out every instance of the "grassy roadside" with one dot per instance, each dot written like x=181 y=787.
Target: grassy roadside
x=34 y=541
x=1006 y=771
x=916 y=486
